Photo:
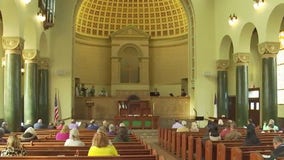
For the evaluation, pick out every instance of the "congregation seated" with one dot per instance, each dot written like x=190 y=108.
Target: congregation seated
x=214 y=133
x=278 y=145
x=51 y=126
x=92 y=125
x=226 y=130
x=251 y=137
x=270 y=126
x=233 y=134
x=73 y=124
x=29 y=135
x=111 y=129
x=60 y=125
x=74 y=139
x=27 y=124
x=2 y=132
x=177 y=124
x=63 y=134
x=122 y=134
x=39 y=124
x=4 y=125
x=194 y=127
x=105 y=125
x=101 y=145
x=184 y=128
x=13 y=147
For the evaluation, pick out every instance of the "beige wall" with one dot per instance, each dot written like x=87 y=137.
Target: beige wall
x=168 y=64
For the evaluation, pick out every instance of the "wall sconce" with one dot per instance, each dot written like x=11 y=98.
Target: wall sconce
x=232 y=19
x=46 y=12
x=40 y=16
x=258 y=4
x=281 y=39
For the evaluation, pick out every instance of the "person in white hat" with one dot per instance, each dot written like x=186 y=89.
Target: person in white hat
x=184 y=127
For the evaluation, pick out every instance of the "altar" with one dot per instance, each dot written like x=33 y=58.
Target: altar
x=138 y=122
x=136 y=113
x=146 y=113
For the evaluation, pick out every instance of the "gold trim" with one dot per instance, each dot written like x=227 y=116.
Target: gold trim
x=12 y=43
x=241 y=58
x=43 y=63
x=30 y=54
x=271 y=48
x=222 y=64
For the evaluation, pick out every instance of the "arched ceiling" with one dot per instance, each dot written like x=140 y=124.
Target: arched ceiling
x=158 y=18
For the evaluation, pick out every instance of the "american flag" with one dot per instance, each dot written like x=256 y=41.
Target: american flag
x=56 y=109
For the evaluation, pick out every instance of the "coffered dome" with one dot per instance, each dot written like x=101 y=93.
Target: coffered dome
x=158 y=18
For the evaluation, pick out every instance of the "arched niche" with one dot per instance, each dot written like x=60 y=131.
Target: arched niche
x=129 y=60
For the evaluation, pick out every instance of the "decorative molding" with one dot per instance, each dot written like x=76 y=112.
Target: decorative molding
x=43 y=63
x=30 y=55
x=241 y=58
x=12 y=43
x=268 y=49
x=222 y=64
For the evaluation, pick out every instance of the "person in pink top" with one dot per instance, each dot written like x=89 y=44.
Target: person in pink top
x=61 y=124
x=63 y=134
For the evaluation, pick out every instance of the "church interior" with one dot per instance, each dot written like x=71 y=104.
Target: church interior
x=151 y=60
x=143 y=63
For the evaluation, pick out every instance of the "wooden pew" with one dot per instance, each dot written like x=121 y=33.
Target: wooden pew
x=124 y=157
x=238 y=154
x=77 y=152
x=258 y=156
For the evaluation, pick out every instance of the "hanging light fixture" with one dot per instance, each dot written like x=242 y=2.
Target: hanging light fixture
x=258 y=4
x=233 y=19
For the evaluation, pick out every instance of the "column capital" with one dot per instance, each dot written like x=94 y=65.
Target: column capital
x=13 y=43
x=222 y=64
x=241 y=58
x=269 y=49
x=43 y=63
x=30 y=55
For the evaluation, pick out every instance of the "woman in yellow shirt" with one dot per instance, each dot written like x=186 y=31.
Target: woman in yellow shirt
x=101 y=146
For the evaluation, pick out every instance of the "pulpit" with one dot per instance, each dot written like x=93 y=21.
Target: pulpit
x=90 y=104
x=136 y=114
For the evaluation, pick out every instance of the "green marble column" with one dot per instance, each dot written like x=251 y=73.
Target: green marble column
x=242 y=104
x=30 y=85
x=222 y=88
x=269 y=108
x=43 y=109
x=12 y=82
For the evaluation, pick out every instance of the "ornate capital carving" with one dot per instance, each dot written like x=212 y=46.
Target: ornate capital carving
x=43 y=63
x=30 y=55
x=241 y=58
x=222 y=64
x=268 y=49
x=13 y=43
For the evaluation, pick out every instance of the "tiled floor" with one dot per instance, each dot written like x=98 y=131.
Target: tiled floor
x=151 y=137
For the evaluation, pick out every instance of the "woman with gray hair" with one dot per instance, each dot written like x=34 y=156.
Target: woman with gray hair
x=74 y=139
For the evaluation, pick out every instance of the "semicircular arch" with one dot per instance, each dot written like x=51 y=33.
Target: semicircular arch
x=245 y=37
x=225 y=47
x=11 y=19
x=274 y=23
